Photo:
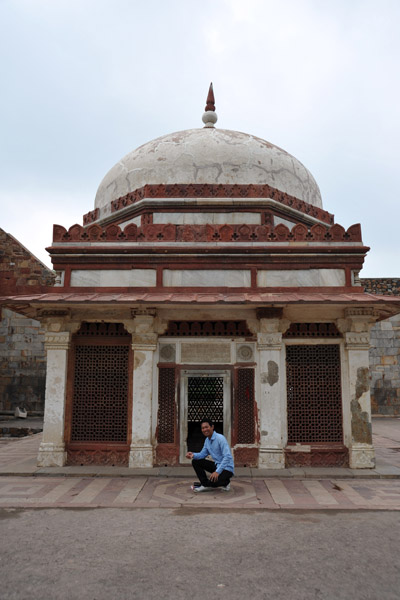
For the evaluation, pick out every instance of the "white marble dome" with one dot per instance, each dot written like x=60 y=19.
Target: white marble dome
x=208 y=155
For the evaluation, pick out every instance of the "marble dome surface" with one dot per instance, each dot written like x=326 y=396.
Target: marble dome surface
x=208 y=155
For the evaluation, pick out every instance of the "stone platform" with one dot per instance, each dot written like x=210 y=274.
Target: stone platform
x=18 y=457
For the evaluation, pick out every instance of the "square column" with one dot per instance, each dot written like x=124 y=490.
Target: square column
x=272 y=397
x=144 y=344
x=52 y=448
x=356 y=328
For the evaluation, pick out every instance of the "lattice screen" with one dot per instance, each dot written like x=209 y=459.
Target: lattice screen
x=312 y=330
x=166 y=405
x=205 y=399
x=103 y=330
x=245 y=406
x=314 y=404
x=100 y=402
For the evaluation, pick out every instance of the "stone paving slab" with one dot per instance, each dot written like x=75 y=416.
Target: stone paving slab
x=246 y=493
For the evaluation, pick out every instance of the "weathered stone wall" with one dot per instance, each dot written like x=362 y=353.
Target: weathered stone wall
x=385 y=353
x=22 y=354
x=22 y=363
x=19 y=269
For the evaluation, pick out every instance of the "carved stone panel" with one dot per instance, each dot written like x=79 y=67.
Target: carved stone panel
x=215 y=353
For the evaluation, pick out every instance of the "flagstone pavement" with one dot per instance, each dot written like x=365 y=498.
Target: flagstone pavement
x=23 y=484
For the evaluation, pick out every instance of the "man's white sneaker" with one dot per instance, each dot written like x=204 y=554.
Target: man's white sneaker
x=202 y=488
x=226 y=488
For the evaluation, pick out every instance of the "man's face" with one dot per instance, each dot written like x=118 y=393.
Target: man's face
x=207 y=429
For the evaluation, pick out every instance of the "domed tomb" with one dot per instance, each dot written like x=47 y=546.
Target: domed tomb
x=211 y=156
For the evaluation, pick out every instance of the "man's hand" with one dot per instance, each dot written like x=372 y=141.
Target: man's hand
x=214 y=476
x=189 y=455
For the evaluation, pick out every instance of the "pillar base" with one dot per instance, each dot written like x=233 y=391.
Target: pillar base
x=271 y=457
x=141 y=457
x=362 y=456
x=51 y=455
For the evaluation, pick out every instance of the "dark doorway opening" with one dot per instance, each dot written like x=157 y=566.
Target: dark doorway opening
x=205 y=400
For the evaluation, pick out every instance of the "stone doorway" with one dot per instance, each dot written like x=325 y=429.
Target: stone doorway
x=203 y=394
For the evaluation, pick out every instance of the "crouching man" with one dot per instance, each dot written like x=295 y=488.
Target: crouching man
x=221 y=470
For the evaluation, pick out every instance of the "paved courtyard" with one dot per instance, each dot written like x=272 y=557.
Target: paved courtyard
x=152 y=492
x=291 y=535
x=23 y=484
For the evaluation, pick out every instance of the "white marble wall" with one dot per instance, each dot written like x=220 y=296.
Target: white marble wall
x=207 y=277
x=52 y=447
x=279 y=221
x=136 y=220
x=203 y=218
x=301 y=278
x=113 y=278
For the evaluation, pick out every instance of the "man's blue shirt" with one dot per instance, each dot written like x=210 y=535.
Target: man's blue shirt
x=218 y=448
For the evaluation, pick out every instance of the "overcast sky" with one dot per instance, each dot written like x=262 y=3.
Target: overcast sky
x=86 y=81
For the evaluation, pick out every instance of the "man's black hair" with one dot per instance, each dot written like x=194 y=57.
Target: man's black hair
x=206 y=420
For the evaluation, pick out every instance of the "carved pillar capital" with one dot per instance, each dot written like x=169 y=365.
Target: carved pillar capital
x=58 y=325
x=143 y=329
x=269 y=341
x=274 y=325
x=145 y=341
x=357 y=320
x=357 y=340
x=57 y=341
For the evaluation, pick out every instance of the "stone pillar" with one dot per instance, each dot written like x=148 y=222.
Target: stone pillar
x=272 y=404
x=144 y=344
x=356 y=328
x=52 y=448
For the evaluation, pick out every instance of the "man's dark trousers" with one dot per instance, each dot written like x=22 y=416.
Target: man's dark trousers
x=203 y=465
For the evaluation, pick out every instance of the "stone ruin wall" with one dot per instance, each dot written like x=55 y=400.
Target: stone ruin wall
x=22 y=353
x=384 y=355
x=22 y=363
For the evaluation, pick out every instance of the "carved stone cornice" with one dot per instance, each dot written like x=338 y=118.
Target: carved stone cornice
x=57 y=340
x=363 y=311
x=143 y=311
x=58 y=313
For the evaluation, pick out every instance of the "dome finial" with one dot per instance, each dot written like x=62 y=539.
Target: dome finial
x=210 y=116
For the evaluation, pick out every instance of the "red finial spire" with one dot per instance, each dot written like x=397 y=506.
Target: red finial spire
x=210 y=99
